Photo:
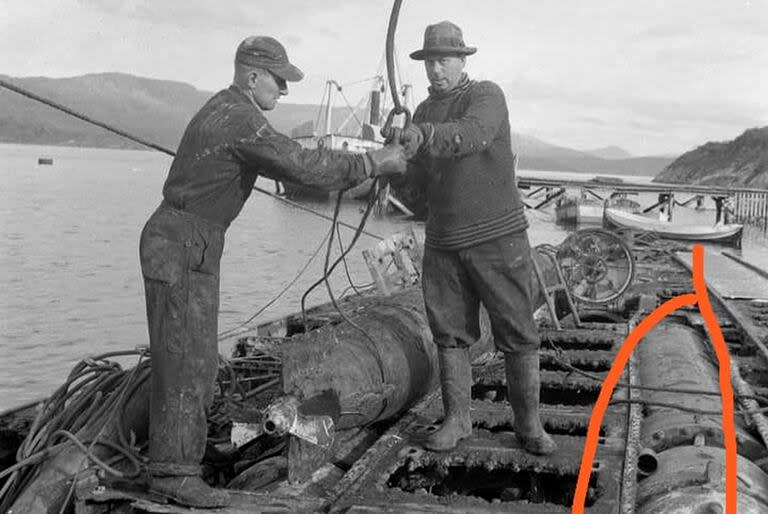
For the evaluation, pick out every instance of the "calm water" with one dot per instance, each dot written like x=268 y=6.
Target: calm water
x=70 y=280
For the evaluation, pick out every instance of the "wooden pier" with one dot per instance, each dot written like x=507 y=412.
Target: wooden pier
x=751 y=206
x=733 y=204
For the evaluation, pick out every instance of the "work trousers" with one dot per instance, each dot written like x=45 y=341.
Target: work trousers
x=498 y=274
x=180 y=255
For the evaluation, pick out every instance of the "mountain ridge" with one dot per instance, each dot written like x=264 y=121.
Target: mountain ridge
x=159 y=110
x=609 y=152
x=742 y=162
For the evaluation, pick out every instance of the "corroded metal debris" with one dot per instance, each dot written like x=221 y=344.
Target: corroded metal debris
x=660 y=443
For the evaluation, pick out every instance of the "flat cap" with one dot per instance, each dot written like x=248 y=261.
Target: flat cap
x=267 y=53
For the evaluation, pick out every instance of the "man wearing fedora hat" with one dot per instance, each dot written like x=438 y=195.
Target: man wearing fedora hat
x=476 y=248
x=225 y=147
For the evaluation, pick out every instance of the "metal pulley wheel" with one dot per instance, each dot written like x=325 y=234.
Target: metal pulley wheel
x=597 y=265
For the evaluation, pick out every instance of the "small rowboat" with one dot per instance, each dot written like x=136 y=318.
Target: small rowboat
x=725 y=234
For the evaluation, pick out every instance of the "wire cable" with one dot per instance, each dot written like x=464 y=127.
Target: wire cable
x=349 y=106
x=318 y=214
x=344 y=260
x=232 y=332
x=83 y=117
x=94 y=392
x=55 y=105
x=320 y=109
x=558 y=351
x=358 y=231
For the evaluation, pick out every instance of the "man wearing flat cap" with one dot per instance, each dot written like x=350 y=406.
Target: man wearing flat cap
x=225 y=147
x=476 y=249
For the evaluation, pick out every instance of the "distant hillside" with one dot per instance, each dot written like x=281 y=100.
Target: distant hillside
x=741 y=162
x=159 y=110
x=153 y=109
x=609 y=152
x=156 y=110
x=537 y=155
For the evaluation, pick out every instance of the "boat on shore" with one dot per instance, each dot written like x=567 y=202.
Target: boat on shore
x=719 y=233
x=583 y=210
x=573 y=210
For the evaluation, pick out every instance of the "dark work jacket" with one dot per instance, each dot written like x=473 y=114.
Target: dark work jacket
x=467 y=166
x=228 y=144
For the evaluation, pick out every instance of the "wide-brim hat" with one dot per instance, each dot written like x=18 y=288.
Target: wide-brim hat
x=267 y=53
x=444 y=38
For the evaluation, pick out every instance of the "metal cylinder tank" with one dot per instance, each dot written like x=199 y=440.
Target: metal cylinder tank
x=675 y=356
x=691 y=480
x=377 y=368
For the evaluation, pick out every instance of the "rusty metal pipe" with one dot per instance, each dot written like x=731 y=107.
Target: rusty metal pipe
x=647 y=461
x=375 y=374
x=692 y=479
x=675 y=356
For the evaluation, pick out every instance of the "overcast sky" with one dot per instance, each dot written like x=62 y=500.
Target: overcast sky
x=654 y=77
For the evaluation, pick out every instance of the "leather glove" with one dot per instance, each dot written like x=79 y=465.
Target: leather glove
x=411 y=138
x=388 y=160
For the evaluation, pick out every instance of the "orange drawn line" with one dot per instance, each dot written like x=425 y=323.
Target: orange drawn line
x=726 y=390
x=620 y=362
x=606 y=390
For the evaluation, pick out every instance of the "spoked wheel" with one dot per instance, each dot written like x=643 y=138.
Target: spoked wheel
x=597 y=265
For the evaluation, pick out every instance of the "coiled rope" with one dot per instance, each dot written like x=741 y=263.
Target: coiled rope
x=95 y=392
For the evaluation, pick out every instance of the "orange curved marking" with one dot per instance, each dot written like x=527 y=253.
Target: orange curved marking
x=701 y=298
x=726 y=389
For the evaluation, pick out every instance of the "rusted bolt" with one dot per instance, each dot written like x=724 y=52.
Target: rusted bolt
x=409 y=451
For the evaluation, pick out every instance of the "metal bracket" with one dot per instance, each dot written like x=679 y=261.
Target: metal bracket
x=395 y=262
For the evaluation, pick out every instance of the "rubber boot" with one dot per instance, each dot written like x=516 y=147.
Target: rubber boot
x=189 y=491
x=523 y=384
x=456 y=384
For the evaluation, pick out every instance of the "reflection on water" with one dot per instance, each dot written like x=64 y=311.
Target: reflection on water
x=69 y=270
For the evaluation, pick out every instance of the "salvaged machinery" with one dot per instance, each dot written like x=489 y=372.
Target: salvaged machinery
x=682 y=461
x=315 y=412
x=323 y=377
x=381 y=360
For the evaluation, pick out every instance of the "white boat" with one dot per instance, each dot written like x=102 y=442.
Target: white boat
x=727 y=234
x=573 y=210
x=368 y=136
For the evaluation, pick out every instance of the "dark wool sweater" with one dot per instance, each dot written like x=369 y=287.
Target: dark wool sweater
x=466 y=164
x=228 y=144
